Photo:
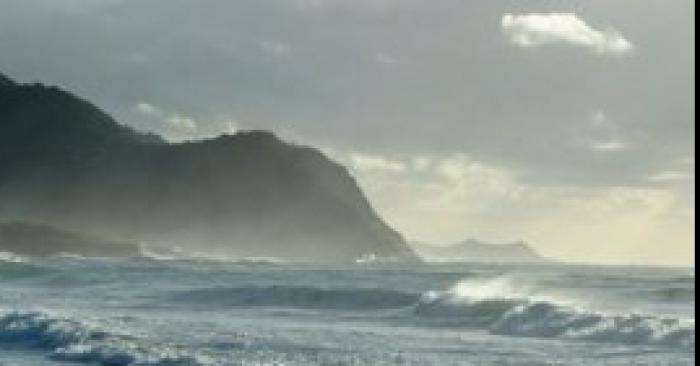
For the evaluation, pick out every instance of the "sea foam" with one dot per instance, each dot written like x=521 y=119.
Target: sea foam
x=65 y=339
x=12 y=258
x=505 y=310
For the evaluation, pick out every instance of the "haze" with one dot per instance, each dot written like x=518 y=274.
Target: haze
x=568 y=125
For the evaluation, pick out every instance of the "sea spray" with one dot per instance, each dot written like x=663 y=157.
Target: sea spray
x=505 y=309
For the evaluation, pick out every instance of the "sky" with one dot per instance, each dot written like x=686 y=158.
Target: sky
x=567 y=124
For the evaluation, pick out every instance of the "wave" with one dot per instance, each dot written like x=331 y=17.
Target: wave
x=300 y=297
x=66 y=339
x=19 y=268
x=485 y=307
x=12 y=257
x=160 y=254
x=548 y=320
x=497 y=305
x=254 y=260
x=515 y=314
x=177 y=254
x=673 y=294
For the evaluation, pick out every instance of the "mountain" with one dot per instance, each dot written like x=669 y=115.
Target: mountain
x=41 y=240
x=66 y=163
x=474 y=250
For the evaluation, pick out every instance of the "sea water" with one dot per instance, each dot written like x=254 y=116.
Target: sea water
x=73 y=311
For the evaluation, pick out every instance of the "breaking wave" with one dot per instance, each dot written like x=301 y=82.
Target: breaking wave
x=500 y=306
x=65 y=339
x=491 y=306
x=9 y=257
x=543 y=319
x=516 y=314
x=177 y=254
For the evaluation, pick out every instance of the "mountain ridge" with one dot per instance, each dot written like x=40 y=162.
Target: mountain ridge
x=475 y=250
x=66 y=163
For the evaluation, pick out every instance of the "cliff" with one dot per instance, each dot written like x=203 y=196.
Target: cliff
x=65 y=162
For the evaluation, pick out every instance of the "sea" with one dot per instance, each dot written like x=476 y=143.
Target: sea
x=174 y=311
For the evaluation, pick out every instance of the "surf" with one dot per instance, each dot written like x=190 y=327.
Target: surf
x=514 y=311
x=66 y=339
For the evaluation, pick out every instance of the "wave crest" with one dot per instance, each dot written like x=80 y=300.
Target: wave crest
x=542 y=319
x=9 y=257
x=69 y=340
x=521 y=315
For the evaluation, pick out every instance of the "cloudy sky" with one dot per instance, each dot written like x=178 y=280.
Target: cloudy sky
x=566 y=124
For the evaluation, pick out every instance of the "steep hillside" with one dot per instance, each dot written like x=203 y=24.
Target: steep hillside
x=66 y=163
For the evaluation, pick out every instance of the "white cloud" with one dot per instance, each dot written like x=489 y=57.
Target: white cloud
x=474 y=181
x=173 y=126
x=420 y=163
x=534 y=29
x=367 y=162
x=173 y=119
x=446 y=198
x=610 y=146
x=182 y=122
x=669 y=176
x=148 y=109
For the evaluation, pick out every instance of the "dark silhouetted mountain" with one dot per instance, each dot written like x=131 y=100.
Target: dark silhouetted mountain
x=474 y=250
x=5 y=81
x=66 y=163
x=41 y=240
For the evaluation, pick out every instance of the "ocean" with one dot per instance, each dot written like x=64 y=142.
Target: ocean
x=160 y=311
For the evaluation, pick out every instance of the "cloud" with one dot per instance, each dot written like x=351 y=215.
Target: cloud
x=454 y=91
x=368 y=162
x=173 y=126
x=148 y=109
x=420 y=163
x=610 y=146
x=446 y=198
x=534 y=29
x=183 y=122
x=174 y=119
x=670 y=176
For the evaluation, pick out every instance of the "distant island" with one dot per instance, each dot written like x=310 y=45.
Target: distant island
x=477 y=251
x=66 y=163
x=30 y=239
